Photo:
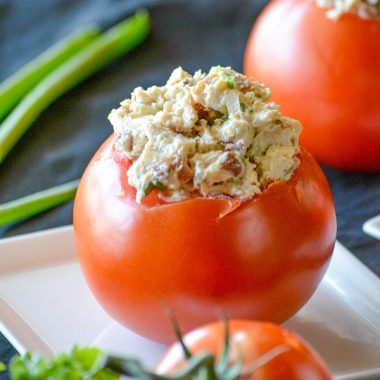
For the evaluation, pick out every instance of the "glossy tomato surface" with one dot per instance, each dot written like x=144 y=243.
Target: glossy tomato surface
x=251 y=340
x=261 y=259
x=325 y=73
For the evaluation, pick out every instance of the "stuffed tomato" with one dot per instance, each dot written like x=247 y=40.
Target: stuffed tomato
x=202 y=200
x=321 y=59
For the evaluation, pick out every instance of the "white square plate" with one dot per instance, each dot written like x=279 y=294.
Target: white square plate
x=45 y=306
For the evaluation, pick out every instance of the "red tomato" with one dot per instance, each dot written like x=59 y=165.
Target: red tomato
x=252 y=340
x=324 y=73
x=261 y=259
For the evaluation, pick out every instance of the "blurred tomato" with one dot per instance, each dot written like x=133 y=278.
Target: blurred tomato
x=261 y=259
x=325 y=73
x=288 y=356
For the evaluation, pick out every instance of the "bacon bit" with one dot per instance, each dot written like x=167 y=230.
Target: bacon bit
x=232 y=164
x=173 y=128
x=279 y=122
x=185 y=175
x=206 y=113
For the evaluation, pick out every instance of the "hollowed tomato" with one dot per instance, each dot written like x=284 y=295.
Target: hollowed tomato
x=324 y=73
x=261 y=259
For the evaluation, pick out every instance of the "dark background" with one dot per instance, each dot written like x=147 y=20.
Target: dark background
x=194 y=34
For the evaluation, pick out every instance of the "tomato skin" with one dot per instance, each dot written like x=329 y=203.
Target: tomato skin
x=326 y=74
x=262 y=259
x=252 y=339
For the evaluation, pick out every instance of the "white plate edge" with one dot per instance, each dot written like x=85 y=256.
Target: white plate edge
x=372 y=227
x=342 y=260
x=19 y=333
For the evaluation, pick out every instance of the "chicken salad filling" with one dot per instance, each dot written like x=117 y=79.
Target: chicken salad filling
x=205 y=135
x=366 y=9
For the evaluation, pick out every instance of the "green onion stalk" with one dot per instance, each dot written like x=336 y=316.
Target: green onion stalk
x=13 y=89
x=46 y=79
x=109 y=46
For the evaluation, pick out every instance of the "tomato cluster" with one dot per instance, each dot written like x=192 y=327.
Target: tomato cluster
x=325 y=73
x=261 y=259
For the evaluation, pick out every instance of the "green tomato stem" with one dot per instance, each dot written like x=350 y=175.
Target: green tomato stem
x=103 y=50
x=13 y=89
x=200 y=367
x=36 y=203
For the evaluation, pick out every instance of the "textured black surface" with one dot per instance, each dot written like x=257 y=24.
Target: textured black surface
x=193 y=34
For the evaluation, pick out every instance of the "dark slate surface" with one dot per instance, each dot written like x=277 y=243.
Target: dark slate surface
x=194 y=34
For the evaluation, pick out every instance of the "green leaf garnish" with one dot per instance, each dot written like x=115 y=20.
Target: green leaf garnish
x=79 y=364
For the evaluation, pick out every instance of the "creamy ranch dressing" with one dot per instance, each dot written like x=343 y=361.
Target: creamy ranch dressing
x=209 y=134
x=363 y=8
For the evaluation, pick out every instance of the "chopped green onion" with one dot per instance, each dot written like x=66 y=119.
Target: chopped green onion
x=13 y=89
x=34 y=204
x=230 y=80
x=155 y=184
x=224 y=118
x=106 y=48
x=159 y=185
